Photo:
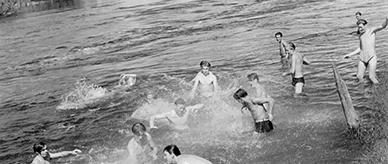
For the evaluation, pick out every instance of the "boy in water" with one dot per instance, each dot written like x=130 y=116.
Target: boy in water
x=253 y=80
x=296 y=70
x=283 y=48
x=261 y=116
x=358 y=15
x=141 y=148
x=206 y=81
x=177 y=117
x=43 y=156
x=368 y=58
x=173 y=156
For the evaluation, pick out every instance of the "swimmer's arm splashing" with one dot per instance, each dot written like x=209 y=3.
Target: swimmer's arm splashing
x=384 y=25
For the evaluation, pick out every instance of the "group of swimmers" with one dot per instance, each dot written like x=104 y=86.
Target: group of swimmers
x=142 y=149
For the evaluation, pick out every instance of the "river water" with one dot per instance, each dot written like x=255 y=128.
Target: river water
x=43 y=55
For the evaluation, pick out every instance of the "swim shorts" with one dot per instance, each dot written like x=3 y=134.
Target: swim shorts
x=264 y=126
x=297 y=80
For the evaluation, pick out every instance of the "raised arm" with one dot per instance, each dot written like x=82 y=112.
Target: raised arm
x=358 y=50
x=65 y=153
x=381 y=26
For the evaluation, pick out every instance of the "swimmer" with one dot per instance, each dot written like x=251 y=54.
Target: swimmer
x=368 y=58
x=283 y=48
x=44 y=157
x=178 y=116
x=173 y=156
x=261 y=116
x=141 y=148
x=358 y=15
x=127 y=80
x=253 y=80
x=297 y=61
x=206 y=81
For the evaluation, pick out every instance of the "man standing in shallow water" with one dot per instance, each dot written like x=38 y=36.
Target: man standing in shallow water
x=368 y=58
x=283 y=48
x=206 y=81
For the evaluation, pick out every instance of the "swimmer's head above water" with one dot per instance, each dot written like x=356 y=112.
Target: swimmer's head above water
x=292 y=45
x=358 y=15
x=180 y=104
x=171 y=152
x=278 y=36
x=205 y=66
x=138 y=129
x=41 y=149
x=361 y=25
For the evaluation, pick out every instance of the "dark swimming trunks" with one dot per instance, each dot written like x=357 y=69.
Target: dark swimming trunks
x=264 y=126
x=367 y=62
x=297 y=80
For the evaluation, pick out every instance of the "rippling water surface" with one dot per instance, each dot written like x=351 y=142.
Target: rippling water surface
x=42 y=55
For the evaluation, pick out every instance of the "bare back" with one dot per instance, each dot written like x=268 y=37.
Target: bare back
x=257 y=110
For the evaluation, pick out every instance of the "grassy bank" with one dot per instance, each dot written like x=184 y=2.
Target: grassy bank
x=371 y=138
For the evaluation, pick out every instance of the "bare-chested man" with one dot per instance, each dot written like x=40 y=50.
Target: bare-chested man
x=367 y=52
x=44 y=157
x=177 y=117
x=255 y=105
x=253 y=80
x=283 y=48
x=296 y=70
x=206 y=81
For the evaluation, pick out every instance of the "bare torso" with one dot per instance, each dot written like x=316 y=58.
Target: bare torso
x=367 y=45
x=206 y=84
x=298 y=57
x=257 y=111
x=282 y=49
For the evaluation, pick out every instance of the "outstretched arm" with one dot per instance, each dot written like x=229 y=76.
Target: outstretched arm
x=381 y=26
x=306 y=62
x=65 y=153
x=358 y=50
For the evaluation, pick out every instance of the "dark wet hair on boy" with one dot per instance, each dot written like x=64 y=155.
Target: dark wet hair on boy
x=38 y=147
x=292 y=45
x=172 y=149
x=137 y=127
x=204 y=63
x=279 y=33
x=362 y=21
x=253 y=76
x=358 y=13
x=240 y=93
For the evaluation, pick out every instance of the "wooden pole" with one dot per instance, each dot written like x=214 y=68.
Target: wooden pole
x=351 y=115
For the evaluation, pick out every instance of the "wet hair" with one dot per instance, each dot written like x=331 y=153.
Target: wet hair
x=38 y=147
x=292 y=45
x=253 y=76
x=137 y=127
x=279 y=33
x=240 y=93
x=172 y=149
x=179 y=101
x=358 y=13
x=204 y=63
x=362 y=21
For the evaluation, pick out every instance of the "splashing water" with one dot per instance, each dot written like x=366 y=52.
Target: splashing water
x=84 y=94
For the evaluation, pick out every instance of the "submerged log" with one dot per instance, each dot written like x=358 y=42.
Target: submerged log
x=351 y=115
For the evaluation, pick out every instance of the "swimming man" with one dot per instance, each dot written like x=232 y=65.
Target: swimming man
x=173 y=156
x=368 y=58
x=177 y=117
x=296 y=70
x=283 y=48
x=43 y=156
x=206 y=81
x=141 y=148
x=261 y=116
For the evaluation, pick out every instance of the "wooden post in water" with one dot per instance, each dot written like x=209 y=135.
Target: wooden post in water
x=351 y=115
